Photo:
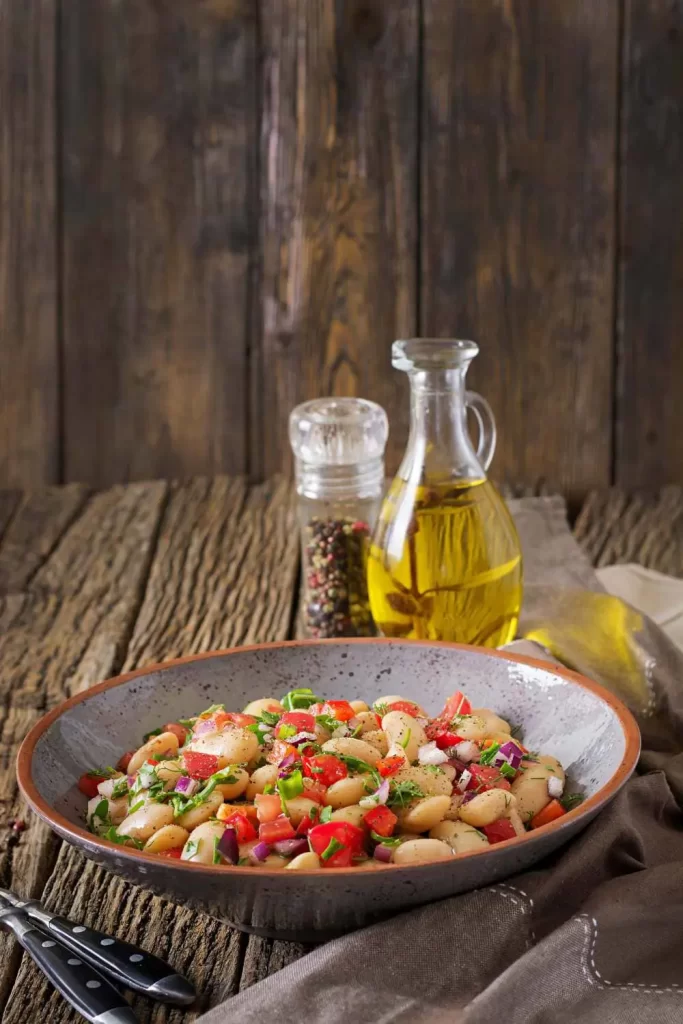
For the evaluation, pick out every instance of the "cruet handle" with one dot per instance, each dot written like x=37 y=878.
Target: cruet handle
x=487 y=427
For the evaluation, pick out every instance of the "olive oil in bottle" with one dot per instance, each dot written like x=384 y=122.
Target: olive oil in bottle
x=454 y=574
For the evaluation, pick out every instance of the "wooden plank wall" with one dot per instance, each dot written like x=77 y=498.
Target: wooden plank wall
x=214 y=209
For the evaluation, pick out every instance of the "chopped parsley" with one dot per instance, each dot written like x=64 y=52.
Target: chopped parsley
x=192 y=847
x=101 y=812
x=216 y=854
x=406 y=739
x=356 y=765
x=187 y=723
x=386 y=840
x=114 y=837
x=136 y=806
x=572 y=800
x=300 y=699
x=182 y=804
x=328 y=722
x=402 y=793
x=488 y=754
x=148 y=735
x=102 y=773
x=270 y=718
x=120 y=788
x=381 y=709
x=325 y=814
x=259 y=730
x=330 y=850
x=433 y=769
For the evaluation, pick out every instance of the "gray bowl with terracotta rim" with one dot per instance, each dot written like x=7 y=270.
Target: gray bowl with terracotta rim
x=561 y=713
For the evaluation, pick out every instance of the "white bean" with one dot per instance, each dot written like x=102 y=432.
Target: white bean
x=300 y=807
x=230 y=746
x=164 y=744
x=353 y=748
x=115 y=811
x=453 y=812
x=107 y=786
x=274 y=860
x=230 y=790
x=358 y=706
x=257 y=707
x=199 y=848
x=264 y=776
x=424 y=814
x=530 y=788
x=304 y=862
x=470 y=727
x=379 y=740
x=169 y=772
x=460 y=837
x=170 y=837
x=198 y=815
x=419 y=851
x=432 y=783
x=366 y=722
x=492 y=721
x=348 y=791
x=485 y=808
x=143 y=823
x=401 y=729
x=353 y=814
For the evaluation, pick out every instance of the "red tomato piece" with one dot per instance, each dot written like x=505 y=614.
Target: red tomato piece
x=300 y=721
x=279 y=751
x=339 y=709
x=177 y=729
x=484 y=778
x=446 y=739
x=325 y=768
x=316 y=791
x=406 y=706
x=336 y=843
x=381 y=820
x=549 y=813
x=499 y=831
x=200 y=766
x=124 y=761
x=272 y=831
x=88 y=784
x=458 y=704
x=224 y=718
x=268 y=806
x=242 y=826
x=316 y=709
x=176 y=853
x=387 y=766
x=305 y=826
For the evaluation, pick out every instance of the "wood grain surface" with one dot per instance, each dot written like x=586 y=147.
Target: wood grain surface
x=159 y=143
x=142 y=573
x=518 y=137
x=649 y=420
x=338 y=218
x=29 y=353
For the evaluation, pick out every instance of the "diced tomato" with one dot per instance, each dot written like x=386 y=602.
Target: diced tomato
x=316 y=709
x=325 y=768
x=378 y=719
x=339 y=709
x=242 y=826
x=387 y=766
x=484 y=778
x=224 y=718
x=176 y=853
x=124 y=761
x=458 y=704
x=406 y=706
x=300 y=721
x=553 y=810
x=315 y=791
x=88 y=784
x=279 y=751
x=178 y=730
x=447 y=739
x=273 y=831
x=304 y=826
x=350 y=838
x=226 y=810
x=268 y=806
x=500 y=830
x=152 y=760
x=198 y=765
x=381 y=820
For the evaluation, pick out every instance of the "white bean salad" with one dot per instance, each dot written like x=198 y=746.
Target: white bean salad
x=304 y=783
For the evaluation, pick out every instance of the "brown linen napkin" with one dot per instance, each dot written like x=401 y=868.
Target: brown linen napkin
x=595 y=933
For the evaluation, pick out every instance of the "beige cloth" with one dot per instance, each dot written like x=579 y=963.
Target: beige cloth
x=595 y=933
x=658 y=596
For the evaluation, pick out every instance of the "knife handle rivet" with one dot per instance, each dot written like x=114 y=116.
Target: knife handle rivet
x=92 y=984
x=78 y=929
x=135 y=958
x=48 y=944
x=74 y=962
x=107 y=942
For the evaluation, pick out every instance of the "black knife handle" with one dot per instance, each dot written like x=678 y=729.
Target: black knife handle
x=86 y=990
x=137 y=969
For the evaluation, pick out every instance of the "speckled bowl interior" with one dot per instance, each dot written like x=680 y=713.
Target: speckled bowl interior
x=590 y=732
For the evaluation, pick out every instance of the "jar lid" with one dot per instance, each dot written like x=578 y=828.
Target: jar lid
x=338 y=431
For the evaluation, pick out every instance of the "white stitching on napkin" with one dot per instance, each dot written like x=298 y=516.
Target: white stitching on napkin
x=527 y=906
x=588 y=953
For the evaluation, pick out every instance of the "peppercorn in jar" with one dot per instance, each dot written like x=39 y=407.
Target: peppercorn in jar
x=339 y=445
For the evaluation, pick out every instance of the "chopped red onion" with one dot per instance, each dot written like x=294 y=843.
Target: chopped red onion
x=469 y=796
x=291 y=847
x=287 y=762
x=380 y=796
x=430 y=754
x=455 y=763
x=130 y=779
x=302 y=737
x=509 y=752
x=465 y=751
x=259 y=852
x=353 y=723
x=464 y=780
x=382 y=853
x=555 y=787
x=186 y=785
x=228 y=846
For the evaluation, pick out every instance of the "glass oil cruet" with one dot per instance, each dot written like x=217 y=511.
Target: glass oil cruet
x=445 y=561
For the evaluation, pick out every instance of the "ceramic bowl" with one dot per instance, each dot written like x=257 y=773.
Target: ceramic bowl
x=561 y=713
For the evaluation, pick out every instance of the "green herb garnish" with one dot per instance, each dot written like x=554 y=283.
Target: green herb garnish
x=331 y=849
x=191 y=848
x=182 y=804
x=268 y=789
x=120 y=788
x=325 y=815
x=136 y=806
x=386 y=840
x=381 y=709
x=328 y=722
x=572 y=800
x=216 y=854
x=188 y=723
x=356 y=765
x=433 y=769
x=488 y=754
x=101 y=812
x=402 y=793
x=113 y=836
x=300 y=699
x=102 y=773
x=406 y=739
x=270 y=717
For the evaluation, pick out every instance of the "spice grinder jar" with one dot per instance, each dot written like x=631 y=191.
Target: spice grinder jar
x=338 y=444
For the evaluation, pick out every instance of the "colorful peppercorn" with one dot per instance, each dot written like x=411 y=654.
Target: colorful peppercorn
x=336 y=593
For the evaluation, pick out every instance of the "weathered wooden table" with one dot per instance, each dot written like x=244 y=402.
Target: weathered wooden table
x=92 y=584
